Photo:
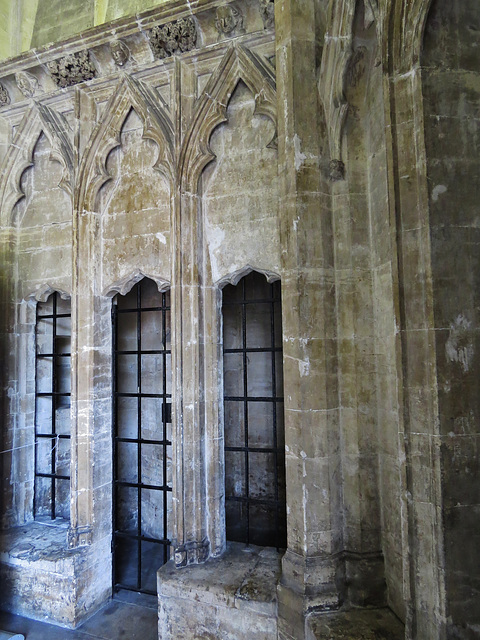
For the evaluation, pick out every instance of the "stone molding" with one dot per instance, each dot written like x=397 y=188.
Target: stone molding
x=409 y=21
x=37 y=119
x=44 y=291
x=72 y=69
x=235 y=277
x=173 y=37
x=157 y=124
x=336 y=57
x=237 y=64
x=191 y=552
x=49 y=64
x=124 y=285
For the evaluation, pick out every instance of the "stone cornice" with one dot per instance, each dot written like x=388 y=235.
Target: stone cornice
x=138 y=24
x=134 y=32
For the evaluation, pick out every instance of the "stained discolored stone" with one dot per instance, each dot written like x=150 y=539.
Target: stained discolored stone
x=377 y=624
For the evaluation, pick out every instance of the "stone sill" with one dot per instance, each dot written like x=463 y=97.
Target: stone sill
x=243 y=577
x=40 y=543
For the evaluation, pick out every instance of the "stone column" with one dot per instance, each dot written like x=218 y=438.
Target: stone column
x=84 y=239
x=191 y=544
x=83 y=301
x=309 y=344
x=418 y=377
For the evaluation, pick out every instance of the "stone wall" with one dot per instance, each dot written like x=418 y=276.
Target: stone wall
x=191 y=145
x=451 y=86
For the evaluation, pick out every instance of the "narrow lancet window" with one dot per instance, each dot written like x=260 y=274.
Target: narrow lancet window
x=142 y=473
x=253 y=405
x=52 y=409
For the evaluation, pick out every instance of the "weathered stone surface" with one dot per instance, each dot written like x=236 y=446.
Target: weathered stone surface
x=229 y=597
x=377 y=624
x=332 y=149
x=42 y=579
x=72 y=69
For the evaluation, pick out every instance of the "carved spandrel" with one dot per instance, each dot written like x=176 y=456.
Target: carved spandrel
x=228 y=21
x=177 y=36
x=4 y=96
x=72 y=69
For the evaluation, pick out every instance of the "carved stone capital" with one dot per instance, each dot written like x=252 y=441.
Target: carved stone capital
x=172 y=37
x=193 y=552
x=72 y=69
x=4 y=96
x=228 y=21
x=267 y=11
x=26 y=83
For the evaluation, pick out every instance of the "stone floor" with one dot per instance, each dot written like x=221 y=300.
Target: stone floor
x=366 y=624
x=129 y=616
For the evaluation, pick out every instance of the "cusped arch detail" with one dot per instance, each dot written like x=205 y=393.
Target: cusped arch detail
x=19 y=157
x=238 y=64
x=44 y=291
x=157 y=126
x=235 y=277
x=125 y=284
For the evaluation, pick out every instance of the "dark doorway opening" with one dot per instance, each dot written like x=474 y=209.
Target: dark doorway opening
x=142 y=474
x=255 y=501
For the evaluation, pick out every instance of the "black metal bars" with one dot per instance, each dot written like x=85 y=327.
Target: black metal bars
x=52 y=408
x=141 y=436
x=253 y=402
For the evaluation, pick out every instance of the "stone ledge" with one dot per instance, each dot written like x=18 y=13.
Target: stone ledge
x=236 y=594
x=43 y=579
x=366 y=624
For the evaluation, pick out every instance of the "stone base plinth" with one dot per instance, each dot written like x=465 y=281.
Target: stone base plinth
x=227 y=598
x=366 y=624
x=41 y=578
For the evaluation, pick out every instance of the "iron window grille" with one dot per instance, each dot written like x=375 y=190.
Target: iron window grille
x=253 y=407
x=52 y=408
x=141 y=436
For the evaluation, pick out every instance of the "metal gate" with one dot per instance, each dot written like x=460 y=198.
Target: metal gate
x=142 y=487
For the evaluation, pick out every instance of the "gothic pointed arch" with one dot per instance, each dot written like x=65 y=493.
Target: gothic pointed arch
x=407 y=22
x=130 y=94
x=238 y=64
x=44 y=291
x=125 y=284
x=235 y=277
x=19 y=157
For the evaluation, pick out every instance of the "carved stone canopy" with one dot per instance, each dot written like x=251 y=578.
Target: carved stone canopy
x=27 y=83
x=72 y=69
x=228 y=21
x=267 y=11
x=179 y=35
x=4 y=96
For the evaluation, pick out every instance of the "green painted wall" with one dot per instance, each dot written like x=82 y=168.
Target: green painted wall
x=25 y=24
